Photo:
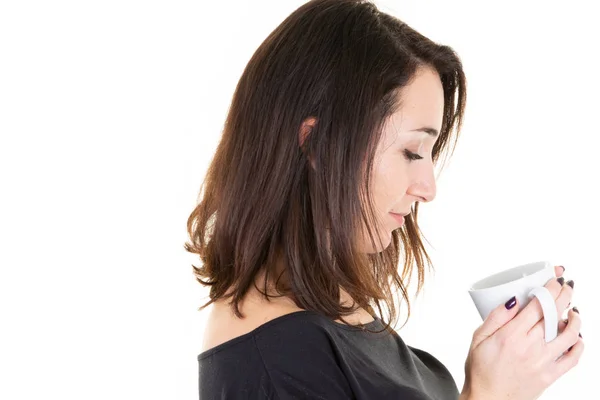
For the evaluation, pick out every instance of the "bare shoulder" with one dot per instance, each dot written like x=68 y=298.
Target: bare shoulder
x=223 y=325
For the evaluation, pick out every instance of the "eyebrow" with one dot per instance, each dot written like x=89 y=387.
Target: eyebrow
x=431 y=131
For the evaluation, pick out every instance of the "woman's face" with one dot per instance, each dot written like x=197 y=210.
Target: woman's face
x=400 y=176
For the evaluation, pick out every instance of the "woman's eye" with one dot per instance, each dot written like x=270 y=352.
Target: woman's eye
x=410 y=156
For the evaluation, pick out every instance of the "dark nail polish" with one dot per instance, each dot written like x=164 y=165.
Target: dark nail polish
x=561 y=280
x=511 y=303
x=576 y=310
x=580 y=336
x=560 y=266
x=571 y=283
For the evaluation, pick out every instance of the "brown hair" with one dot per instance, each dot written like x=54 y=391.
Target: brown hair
x=343 y=63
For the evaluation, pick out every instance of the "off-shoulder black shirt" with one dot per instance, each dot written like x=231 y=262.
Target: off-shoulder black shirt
x=306 y=355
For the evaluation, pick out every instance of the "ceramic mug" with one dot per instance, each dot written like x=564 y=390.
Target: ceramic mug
x=525 y=282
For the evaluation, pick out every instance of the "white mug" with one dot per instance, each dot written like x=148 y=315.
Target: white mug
x=524 y=282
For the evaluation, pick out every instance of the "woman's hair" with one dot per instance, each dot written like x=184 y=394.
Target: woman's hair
x=268 y=200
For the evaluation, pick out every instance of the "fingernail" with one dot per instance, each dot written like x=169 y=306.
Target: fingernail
x=576 y=310
x=561 y=280
x=571 y=283
x=580 y=336
x=560 y=266
x=511 y=303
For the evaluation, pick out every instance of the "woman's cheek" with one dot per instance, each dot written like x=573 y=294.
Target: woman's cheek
x=394 y=180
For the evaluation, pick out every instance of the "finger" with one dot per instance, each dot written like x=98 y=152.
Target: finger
x=497 y=320
x=562 y=302
x=567 y=361
x=562 y=325
x=566 y=339
x=532 y=312
x=559 y=270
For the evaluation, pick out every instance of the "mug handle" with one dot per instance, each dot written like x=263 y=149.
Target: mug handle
x=549 y=310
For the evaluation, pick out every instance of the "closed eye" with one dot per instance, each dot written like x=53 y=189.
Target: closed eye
x=410 y=156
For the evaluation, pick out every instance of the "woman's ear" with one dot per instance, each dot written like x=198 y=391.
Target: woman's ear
x=306 y=128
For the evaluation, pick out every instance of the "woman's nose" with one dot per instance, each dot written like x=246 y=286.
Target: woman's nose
x=425 y=190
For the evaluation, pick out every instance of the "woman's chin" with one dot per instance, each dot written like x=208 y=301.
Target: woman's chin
x=384 y=243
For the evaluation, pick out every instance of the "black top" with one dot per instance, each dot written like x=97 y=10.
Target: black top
x=306 y=355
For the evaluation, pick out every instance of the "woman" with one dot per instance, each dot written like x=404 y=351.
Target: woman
x=310 y=202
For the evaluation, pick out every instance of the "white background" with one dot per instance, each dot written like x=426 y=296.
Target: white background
x=109 y=112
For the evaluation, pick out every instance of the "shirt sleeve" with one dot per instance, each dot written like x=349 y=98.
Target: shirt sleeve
x=301 y=363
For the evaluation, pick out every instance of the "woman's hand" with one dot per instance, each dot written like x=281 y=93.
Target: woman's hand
x=509 y=357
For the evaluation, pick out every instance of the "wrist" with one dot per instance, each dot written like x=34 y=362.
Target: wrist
x=466 y=394
x=469 y=395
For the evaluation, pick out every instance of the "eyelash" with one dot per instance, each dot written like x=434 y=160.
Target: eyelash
x=410 y=156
